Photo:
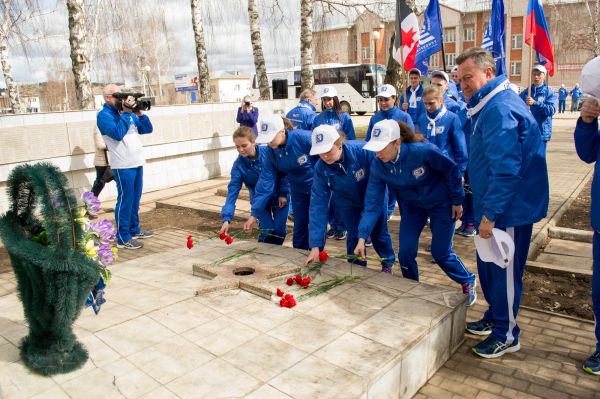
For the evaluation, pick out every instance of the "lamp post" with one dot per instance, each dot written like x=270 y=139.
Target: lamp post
x=376 y=36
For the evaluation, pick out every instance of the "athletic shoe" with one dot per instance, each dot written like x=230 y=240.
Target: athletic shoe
x=491 y=348
x=386 y=269
x=468 y=231
x=341 y=234
x=592 y=364
x=479 y=327
x=368 y=242
x=331 y=233
x=470 y=292
x=131 y=244
x=143 y=234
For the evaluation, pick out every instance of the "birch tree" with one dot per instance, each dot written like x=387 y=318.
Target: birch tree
x=306 y=59
x=257 y=51
x=79 y=54
x=202 y=59
x=6 y=28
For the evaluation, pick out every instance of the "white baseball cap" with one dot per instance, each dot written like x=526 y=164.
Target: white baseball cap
x=415 y=70
x=323 y=137
x=269 y=126
x=440 y=74
x=498 y=249
x=540 y=68
x=328 y=91
x=386 y=91
x=590 y=78
x=383 y=133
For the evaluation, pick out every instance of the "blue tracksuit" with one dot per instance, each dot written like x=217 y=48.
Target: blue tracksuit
x=509 y=179
x=290 y=160
x=272 y=219
x=343 y=123
x=427 y=183
x=303 y=115
x=448 y=136
x=543 y=109
x=249 y=119
x=347 y=180
x=562 y=100
x=456 y=107
x=417 y=110
x=126 y=155
x=453 y=90
x=587 y=143
x=576 y=94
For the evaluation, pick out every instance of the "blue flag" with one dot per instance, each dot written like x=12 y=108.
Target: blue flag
x=497 y=33
x=431 y=40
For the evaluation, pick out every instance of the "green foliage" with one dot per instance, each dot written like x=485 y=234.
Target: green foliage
x=53 y=274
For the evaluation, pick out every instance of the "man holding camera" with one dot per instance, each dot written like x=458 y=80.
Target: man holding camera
x=120 y=122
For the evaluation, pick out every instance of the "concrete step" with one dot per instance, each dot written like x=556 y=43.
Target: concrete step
x=244 y=193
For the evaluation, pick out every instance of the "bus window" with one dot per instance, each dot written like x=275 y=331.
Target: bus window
x=297 y=78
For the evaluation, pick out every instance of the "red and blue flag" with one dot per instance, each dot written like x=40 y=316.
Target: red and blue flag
x=537 y=35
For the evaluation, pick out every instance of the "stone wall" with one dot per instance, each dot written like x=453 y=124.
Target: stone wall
x=189 y=143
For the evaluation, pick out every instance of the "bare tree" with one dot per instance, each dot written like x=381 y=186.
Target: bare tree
x=9 y=21
x=203 y=74
x=79 y=54
x=306 y=60
x=257 y=51
x=393 y=74
x=576 y=27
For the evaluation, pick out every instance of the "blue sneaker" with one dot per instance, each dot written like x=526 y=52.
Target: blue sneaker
x=592 y=364
x=469 y=289
x=341 y=234
x=492 y=347
x=479 y=327
x=368 y=242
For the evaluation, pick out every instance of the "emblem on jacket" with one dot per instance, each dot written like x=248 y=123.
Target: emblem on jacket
x=302 y=159
x=439 y=130
x=417 y=173
x=359 y=174
x=541 y=99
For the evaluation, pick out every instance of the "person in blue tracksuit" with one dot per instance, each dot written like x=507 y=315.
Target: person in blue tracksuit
x=562 y=99
x=247 y=114
x=442 y=80
x=411 y=99
x=288 y=154
x=344 y=170
x=542 y=102
x=427 y=184
x=333 y=116
x=576 y=94
x=386 y=98
x=121 y=127
x=454 y=79
x=303 y=115
x=246 y=170
x=587 y=144
x=509 y=180
x=443 y=128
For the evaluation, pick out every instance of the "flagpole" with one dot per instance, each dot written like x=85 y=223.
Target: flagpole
x=530 y=62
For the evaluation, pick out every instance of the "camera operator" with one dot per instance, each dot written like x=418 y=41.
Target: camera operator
x=247 y=114
x=121 y=122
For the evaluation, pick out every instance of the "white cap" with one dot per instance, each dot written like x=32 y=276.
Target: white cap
x=386 y=91
x=415 y=70
x=440 y=74
x=323 y=138
x=590 y=78
x=269 y=126
x=383 y=133
x=328 y=91
x=499 y=249
x=540 y=68
x=454 y=69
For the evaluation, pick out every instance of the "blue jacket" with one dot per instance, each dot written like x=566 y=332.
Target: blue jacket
x=543 y=109
x=422 y=177
x=562 y=94
x=576 y=93
x=416 y=112
x=456 y=107
x=248 y=119
x=303 y=115
x=453 y=90
x=247 y=171
x=448 y=137
x=291 y=160
x=115 y=125
x=347 y=180
x=587 y=144
x=329 y=117
x=393 y=113
x=507 y=165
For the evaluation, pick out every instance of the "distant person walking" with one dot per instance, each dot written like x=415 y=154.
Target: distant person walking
x=303 y=115
x=562 y=99
x=247 y=114
x=576 y=94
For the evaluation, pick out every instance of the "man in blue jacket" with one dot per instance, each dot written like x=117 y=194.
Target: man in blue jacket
x=576 y=94
x=303 y=115
x=541 y=101
x=562 y=99
x=412 y=103
x=121 y=124
x=509 y=179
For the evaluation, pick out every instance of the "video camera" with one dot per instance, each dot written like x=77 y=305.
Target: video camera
x=141 y=103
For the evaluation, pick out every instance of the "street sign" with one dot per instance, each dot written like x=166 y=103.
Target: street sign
x=186 y=82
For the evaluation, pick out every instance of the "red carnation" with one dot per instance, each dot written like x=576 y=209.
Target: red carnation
x=298 y=278
x=279 y=292
x=190 y=242
x=223 y=235
x=291 y=303
x=288 y=296
x=228 y=240
x=290 y=281
x=305 y=282
x=323 y=256
x=283 y=302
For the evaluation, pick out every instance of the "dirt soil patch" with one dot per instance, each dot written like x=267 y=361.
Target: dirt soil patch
x=578 y=214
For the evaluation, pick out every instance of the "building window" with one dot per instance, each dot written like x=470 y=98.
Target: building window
x=450 y=35
x=469 y=34
x=434 y=60
x=450 y=60
x=515 y=68
x=366 y=53
x=517 y=42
